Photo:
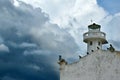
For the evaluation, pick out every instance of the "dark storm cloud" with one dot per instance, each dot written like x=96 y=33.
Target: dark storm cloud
x=27 y=24
x=19 y=20
x=26 y=67
x=18 y=66
x=33 y=43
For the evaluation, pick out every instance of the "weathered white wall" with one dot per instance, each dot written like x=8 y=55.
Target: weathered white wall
x=100 y=65
x=94 y=45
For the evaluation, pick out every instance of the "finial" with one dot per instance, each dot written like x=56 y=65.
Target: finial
x=60 y=57
x=91 y=21
x=111 y=48
x=61 y=60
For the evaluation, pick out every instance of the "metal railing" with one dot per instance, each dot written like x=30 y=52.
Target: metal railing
x=94 y=35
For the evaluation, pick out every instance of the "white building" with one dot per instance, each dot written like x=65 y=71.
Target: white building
x=98 y=64
x=94 y=38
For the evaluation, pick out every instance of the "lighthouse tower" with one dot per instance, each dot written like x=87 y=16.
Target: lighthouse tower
x=94 y=38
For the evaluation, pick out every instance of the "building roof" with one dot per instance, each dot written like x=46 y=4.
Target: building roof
x=94 y=26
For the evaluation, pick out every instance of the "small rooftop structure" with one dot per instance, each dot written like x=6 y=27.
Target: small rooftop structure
x=94 y=26
x=94 y=38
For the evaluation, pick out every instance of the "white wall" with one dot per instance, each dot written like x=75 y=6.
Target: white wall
x=100 y=65
x=94 y=45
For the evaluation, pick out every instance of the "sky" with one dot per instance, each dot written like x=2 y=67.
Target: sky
x=111 y=6
x=33 y=33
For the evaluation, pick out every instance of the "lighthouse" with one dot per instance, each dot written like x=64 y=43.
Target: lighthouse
x=94 y=38
x=99 y=65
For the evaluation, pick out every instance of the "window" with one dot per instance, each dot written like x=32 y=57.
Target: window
x=98 y=48
x=90 y=42
x=99 y=43
x=92 y=50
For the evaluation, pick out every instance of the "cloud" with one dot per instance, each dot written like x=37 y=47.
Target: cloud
x=113 y=26
x=34 y=43
x=73 y=16
x=111 y=6
x=37 y=52
x=1 y=40
x=4 y=48
x=61 y=11
x=16 y=24
x=35 y=67
x=25 y=45
x=17 y=66
x=7 y=78
x=54 y=39
x=35 y=39
x=26 y=24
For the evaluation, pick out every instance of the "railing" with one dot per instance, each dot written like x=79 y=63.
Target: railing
x=88 y=35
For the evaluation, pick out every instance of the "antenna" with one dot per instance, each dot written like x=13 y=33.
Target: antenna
x=91 y=21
